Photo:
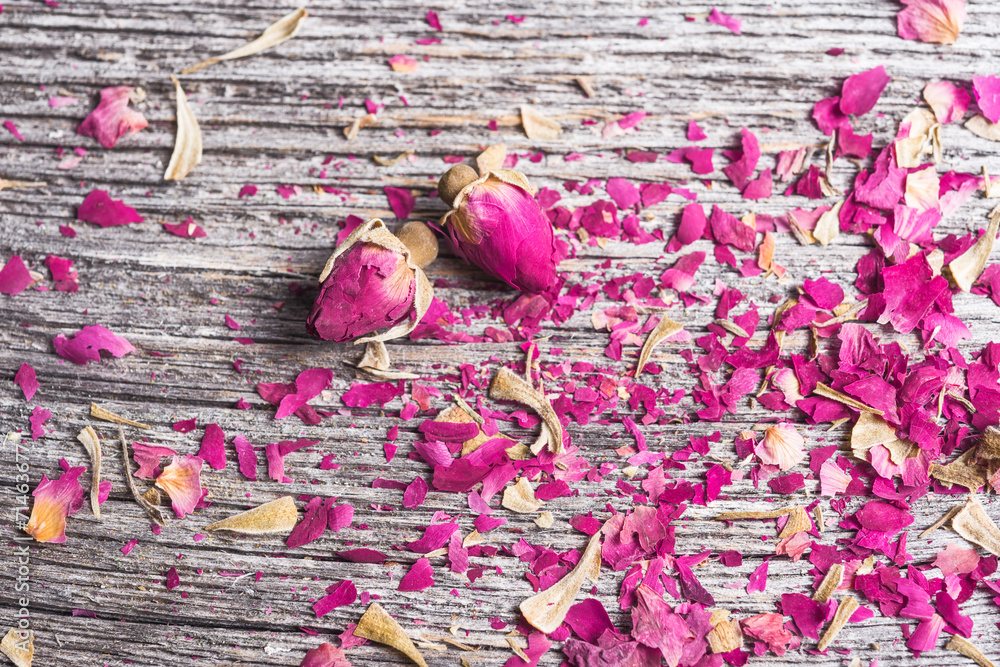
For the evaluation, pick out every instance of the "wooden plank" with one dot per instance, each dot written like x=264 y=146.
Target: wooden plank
x=272 y=120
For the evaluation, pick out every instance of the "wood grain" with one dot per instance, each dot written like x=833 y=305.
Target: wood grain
x=272 y=120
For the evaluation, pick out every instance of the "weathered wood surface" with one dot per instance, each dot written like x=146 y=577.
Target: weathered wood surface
x=271 y=120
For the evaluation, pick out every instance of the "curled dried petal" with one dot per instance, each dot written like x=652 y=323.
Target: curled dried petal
x=378 y=626
x=280 y=31
x=547 y=610
x=521 y=498
x=187 y=143
x=88 y=436
x=507 y=386
x=974 y=524
x=277 y=516
x=831 y=582
x=845 y=610
x=537 y=126
x=663 y=330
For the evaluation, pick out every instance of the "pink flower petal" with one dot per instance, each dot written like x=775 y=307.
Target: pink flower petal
x=861 y=91
x=182 y=482
x=112 y=119
x=37 y=420
x=13 y=129
x=731 y=23
x=433 y=20
x=87 y=344
x=987 y=91
x=401 y=200
x=54 y=501
x=246 y=456
x=25 y=379
x=418 y=578
x=14 y=276
x=100 y=209
x=187 y=229
x=339 y=594
x=934 y=21
x=213 y=447
x=948 y=101
x=148 y=457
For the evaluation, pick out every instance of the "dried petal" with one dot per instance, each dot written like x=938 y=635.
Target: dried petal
x=975 y=525
x=770 y=514
x=725 y=637
x=537 y=126
x=507 y=386
x=100 y=209
x=280 y=31
x=547 y=610
x=981 y=127
x=182 y=482
x=934 y=21
x=972 y=477
x=27 y=381
x=948 y=101
x=663 y=330
x=521 y=498
x=378 y=626
x=845 y=610
x=55 y=500
x=19 y=646
x=213 y=446
x=325 y=655
x=831 y=582
x=491 y=159
x=153 y=512
x=277 y=516
x=966 y=648
x=88 y=436
x=112 y=119
x=187 y=143
x=833 y=394
x=964 y=270
x=798 y=521
x=15 y=276
x=781 y=446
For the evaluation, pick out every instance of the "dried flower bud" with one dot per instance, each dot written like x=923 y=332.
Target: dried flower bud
x=373 y=282
x=496 y=224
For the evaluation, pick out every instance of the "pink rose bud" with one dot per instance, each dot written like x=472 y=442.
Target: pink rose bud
x=496 y=224
x=374 y=281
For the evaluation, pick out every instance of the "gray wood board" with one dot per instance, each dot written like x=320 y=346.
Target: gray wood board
x=271 y=120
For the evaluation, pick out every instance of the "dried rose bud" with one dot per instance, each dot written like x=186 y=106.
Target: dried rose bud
x=374 y=281
x=496 y=224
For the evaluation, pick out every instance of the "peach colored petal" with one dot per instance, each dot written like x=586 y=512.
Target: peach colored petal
x=781 y=446
x=55 y=499
x=182 y=482
x=832 y=479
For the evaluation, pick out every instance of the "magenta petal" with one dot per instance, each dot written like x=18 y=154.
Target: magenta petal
x=728 y=22
x=758 y=579
x=246 y=456
x=213 y=447
x=148 y=457
x=88 y=343
x=693 y=224
x=185 y=426
x=362 y=395
x=458 y=555
x=449 y=431
x=401 y=200
x=363 y=556
x=740 y=171
x=339 y=594
x=694 y=132
x=14 y=276
x=824 y=294
x=27 y=381
x=861 y=91
x=728 y=229
x=987 y=92
x=418 y=578
x=37 y=419
x=309 y=384
x=173 y=579
x=829 y=117
x=187 y=229
x=325 y=655
x=340 y=517
x=112 y=119
x=435 y=537
x=624 y=194
x=100 y=209
x=925 y=637
x=312 y=526
x=415 y=493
